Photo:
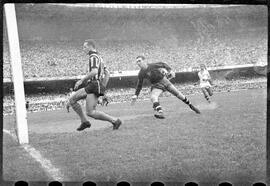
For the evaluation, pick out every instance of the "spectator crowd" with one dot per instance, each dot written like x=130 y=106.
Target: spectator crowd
x=44 y=102
x=66 y=58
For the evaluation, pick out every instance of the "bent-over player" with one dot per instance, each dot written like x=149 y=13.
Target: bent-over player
x=158 y=74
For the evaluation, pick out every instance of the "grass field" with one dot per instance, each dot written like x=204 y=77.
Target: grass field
x=227 y=142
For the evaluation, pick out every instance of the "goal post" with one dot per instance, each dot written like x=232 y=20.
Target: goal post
x=17 y=73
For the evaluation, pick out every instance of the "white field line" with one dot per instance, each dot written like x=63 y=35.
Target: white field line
x=46 y=164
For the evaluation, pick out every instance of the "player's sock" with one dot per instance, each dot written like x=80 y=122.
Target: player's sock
x=186 y=101
x=78 y=109
x=157 y=107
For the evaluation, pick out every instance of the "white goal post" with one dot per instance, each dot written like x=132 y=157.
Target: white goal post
x=17 y=74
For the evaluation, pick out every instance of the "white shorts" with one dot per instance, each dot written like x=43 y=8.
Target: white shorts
x=205 y=84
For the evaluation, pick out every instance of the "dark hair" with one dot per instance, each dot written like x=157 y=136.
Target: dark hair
x=90 y=42
x=140 y=57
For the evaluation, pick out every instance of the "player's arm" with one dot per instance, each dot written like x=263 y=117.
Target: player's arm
x=138 y=87
x=106 y=78
x=171 y=73
x=89 y=75
x=92 y=73
x=200 y=76
x=209 y=78
x=94 y=64
x=103 y=100
x=86 y=77
x=163 y=65
x=208 y=75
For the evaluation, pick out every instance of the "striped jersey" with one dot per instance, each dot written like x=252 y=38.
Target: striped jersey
x=95 y=61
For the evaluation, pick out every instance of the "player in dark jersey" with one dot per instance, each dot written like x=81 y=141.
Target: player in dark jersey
x=158 y=74
x=96 y=82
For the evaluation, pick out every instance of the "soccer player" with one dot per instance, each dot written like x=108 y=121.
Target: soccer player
x=205 y=82
x=158 y=74
x=96 y=82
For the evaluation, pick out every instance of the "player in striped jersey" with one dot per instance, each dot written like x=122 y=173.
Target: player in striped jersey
x=158 y=74
x=96 y=82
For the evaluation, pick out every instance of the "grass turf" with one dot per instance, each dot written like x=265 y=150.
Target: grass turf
x=226 y=143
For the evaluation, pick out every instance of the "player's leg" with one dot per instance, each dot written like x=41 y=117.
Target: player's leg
x=91 y=103
x=210 y=91
x=107 y=102
x=73 y=101
x=68 y=105
x=205 y=93
x=173 y=90
x=155 y=93
x=67 y=102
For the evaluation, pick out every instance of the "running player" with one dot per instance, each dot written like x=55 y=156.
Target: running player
x=103 y=100
x=158 y=74
x=205 y=82
x=96 y=82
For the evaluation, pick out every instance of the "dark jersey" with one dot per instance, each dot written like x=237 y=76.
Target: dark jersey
x=145 y=74
x=95 y=61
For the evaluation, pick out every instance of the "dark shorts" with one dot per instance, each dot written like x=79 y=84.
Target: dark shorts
x=95 y=87
x=162 y=84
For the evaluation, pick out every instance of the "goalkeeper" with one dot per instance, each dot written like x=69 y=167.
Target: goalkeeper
x=159 y=75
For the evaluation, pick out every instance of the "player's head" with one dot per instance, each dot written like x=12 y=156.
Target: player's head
x=140 y=61
x=202 y=66
x=89 y=45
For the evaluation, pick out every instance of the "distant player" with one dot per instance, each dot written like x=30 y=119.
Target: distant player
x=103 y=100
x=205 y=82
x=96 y=82
x=158 y=74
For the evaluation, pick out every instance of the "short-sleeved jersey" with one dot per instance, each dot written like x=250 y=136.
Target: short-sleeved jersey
x=95 y=61
x=145 y=74
x=204 y=77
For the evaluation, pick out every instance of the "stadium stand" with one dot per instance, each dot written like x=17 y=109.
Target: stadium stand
x=51 y=46
x=58 y=59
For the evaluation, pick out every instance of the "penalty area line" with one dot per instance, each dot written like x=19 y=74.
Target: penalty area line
x=46 y=164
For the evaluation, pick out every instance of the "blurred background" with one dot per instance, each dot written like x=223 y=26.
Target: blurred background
x=51 y=37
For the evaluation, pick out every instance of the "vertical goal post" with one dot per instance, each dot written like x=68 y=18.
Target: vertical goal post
x=17 y=73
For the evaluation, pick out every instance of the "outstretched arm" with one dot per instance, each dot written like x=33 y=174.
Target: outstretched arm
x=138 y=90
x=106 y=78
x=164 y=65
x=85 y=78
x=171 y=73
x=139 y=86
x=90 y=74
